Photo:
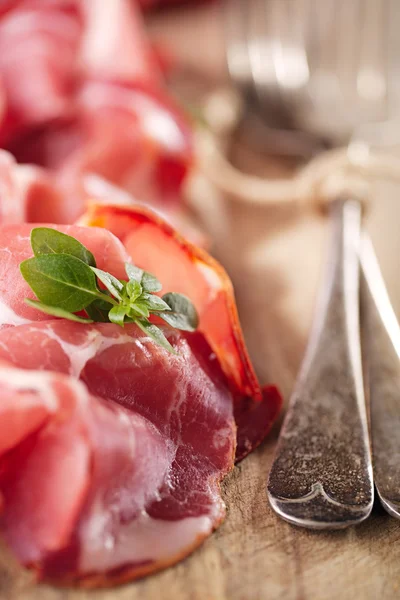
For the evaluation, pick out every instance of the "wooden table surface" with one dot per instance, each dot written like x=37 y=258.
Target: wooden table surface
x=274 y=257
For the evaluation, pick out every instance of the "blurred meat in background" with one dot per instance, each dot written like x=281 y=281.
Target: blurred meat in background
x=163 y=3
x=83 y=99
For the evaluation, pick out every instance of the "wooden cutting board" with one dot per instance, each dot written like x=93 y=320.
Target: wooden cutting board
x=274 y=256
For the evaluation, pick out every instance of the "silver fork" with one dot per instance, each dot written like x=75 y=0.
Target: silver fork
x=381 y=345
x=322 y=474
x=322 y=71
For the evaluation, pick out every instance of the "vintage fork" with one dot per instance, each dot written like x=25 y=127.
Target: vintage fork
x=322 y=475
x=381 y=350
x=324 y=69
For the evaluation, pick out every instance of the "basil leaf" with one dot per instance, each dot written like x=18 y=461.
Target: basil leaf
x=45 y=240
x=134 y=272
x=133 y=289
x=183 y=314
x=114 y=286
x=54 y=311
x=154 y=303
x=150 y=283
x=138 y=309
x=98 y=311
x=117 y=315
x=155 y=334
x=60 y=280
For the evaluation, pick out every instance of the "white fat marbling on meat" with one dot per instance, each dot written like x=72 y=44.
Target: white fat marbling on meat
x=144 y=539
x=9 y=317
x=39 y=382
x=80 y=354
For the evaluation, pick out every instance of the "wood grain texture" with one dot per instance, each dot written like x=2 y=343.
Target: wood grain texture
x=274 y=257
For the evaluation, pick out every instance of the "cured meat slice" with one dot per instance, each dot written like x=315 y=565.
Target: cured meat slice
x=182 y=267
x=122 y=514
x=27 y=193
x=33 y=194
x=39 y=78
x=115 y=30
x=118 y=474
x=130 y=136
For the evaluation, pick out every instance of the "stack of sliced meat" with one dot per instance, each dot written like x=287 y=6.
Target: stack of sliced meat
x=112 y=449
x=82 y=97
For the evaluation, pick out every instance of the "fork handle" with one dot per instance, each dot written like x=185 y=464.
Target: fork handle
x=321 y=476
x=381 y=337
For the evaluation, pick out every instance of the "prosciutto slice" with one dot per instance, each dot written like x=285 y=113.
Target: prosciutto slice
x=116 y=475
x=27 y=193
x=182 y=267
x=111 y=449
x=33 y=194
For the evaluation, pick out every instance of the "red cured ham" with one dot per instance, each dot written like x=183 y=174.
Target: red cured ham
x=32 y=194
x=182 y=267
x=83 y=98
x=127 y=478
x=111 y=449
x=27 y=193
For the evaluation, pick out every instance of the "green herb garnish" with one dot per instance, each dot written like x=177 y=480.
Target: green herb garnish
x=65 y=279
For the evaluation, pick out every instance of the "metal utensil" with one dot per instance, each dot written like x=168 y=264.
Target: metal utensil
x=327 y=70
x=322 y=474
x=381 y=343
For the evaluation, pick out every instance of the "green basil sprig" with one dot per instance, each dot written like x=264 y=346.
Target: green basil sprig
x=64 y=276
